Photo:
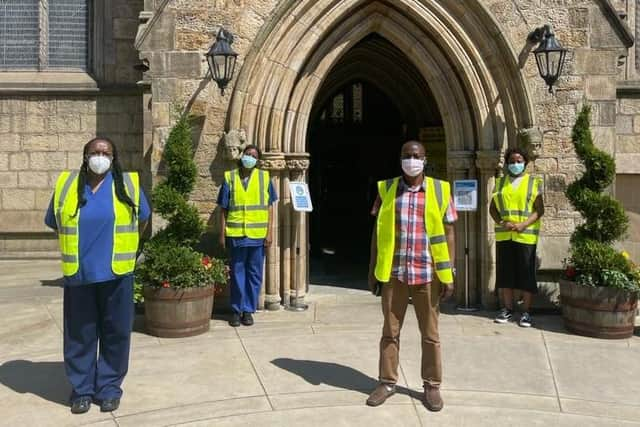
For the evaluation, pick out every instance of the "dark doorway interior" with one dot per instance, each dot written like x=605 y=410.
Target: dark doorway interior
x=360 y=120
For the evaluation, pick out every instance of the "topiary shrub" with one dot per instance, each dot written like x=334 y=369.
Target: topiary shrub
x=170 y=257
x=593 y=261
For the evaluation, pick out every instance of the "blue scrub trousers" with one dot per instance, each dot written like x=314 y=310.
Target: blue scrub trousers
x=98 y=319
x=246 y=277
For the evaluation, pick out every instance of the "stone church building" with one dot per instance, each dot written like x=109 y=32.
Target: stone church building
x=329 y=90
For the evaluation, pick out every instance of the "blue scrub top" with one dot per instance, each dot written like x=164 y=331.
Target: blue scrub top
x=95 y=230
x=224 y=197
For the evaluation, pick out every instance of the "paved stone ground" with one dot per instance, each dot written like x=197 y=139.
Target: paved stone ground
x=316 y=368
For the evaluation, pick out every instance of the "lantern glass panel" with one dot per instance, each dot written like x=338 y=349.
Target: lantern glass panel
x=543 y=66
x=555 y=63
x=232 y=66
x=219 y=65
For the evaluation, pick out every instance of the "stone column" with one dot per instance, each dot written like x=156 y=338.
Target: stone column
x=460 y=165
x=488 y=164
x=271 y=298
x=296 y=256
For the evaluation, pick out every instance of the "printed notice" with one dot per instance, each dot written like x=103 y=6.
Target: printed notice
x=465 y=194
x=300 y=196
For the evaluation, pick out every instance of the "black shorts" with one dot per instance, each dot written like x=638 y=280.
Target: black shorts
x=516 y=266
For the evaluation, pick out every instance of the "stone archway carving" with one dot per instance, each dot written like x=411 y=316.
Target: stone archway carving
x=459 y=50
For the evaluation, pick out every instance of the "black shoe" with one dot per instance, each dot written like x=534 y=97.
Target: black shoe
x=80 y=405
x=235 y=320
x=109 y=405
x=247 y=319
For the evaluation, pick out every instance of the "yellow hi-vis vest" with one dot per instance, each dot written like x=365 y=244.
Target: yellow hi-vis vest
x=437 y=195
x=516 y=206
x=125 y=232
x=248 y=213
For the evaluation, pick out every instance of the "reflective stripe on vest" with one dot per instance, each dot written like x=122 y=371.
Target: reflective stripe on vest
x=516 y=206
x=248 y=213
x=125 y=238
x=437 y=195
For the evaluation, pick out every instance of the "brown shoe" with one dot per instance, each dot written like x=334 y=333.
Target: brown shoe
x=432 y=399
x=380 y=394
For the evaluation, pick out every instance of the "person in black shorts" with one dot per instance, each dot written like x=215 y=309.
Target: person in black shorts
x=516 y=207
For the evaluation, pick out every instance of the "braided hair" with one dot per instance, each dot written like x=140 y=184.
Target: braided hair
x=116 y=173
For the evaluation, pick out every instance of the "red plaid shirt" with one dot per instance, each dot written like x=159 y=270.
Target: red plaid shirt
x=412 y=262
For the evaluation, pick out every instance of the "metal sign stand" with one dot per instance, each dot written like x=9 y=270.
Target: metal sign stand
x=296 y=306
x=467 y=307
x=466 y=198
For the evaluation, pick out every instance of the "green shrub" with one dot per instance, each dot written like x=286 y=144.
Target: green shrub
x=593 y=261
x=170 y=257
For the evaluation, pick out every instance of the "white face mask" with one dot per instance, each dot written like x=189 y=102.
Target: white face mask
x=99 y=164
x=413 y=167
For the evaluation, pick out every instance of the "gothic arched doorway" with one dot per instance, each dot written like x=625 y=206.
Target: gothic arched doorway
x=372 y=101
x=481 y=97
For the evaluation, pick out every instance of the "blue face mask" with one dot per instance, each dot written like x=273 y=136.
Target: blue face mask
x=248 y=161
x=516 y=168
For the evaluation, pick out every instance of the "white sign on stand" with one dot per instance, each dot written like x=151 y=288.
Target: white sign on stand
x=300 y=197
x=465 y=195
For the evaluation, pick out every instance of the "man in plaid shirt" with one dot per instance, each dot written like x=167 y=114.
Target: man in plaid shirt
x=412 y=275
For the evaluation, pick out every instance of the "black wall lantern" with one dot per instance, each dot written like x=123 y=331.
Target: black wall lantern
x=222 y=59
x=550 y=55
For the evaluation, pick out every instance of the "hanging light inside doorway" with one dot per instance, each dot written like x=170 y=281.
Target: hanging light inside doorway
x=550 y=54
x=222 y=59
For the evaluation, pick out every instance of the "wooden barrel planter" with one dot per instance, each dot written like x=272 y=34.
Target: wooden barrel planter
x=177 y=313
x=598 y=312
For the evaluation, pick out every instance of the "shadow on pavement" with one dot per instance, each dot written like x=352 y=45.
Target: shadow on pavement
x=59 y=282
x=44 y=379
x=335 y=375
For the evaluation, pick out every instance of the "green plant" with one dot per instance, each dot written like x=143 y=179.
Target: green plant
x=138 y=295
x=593 y=261
x=170 y=257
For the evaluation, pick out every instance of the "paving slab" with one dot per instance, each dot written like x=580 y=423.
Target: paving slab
x=196 y=412
x=315 y=363
x=601 y=409
x=27 y=329
x=178 y=374
x=465 y=416
x=386 y=415
x=596 y=372
x=494 y=364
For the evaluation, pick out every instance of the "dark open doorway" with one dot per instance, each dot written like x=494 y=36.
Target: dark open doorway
x=373 y=101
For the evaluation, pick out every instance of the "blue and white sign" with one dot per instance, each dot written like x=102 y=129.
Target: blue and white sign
x=300 y=196
x=465 y=194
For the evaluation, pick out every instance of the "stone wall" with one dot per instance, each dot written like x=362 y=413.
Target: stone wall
x=45 y=122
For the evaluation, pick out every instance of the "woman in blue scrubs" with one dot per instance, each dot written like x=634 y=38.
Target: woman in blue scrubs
x=98 y=213
x=246 y=198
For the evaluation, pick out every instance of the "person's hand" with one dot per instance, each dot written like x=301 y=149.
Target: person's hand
x=509 y=225
x=267 y=241
x=519 y=227
x=446 y=290
x=222 y=241
x=372 y=281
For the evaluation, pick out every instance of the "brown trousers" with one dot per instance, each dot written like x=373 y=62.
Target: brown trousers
x=426 y=303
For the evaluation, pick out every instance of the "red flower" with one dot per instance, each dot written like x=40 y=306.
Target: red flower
x=206 y=261
x=570 y=272
x=166 y=284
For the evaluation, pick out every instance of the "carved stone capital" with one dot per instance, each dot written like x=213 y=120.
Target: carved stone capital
x=297 y=161
x=488 y=161
x=273 y=161
x=460 y=160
